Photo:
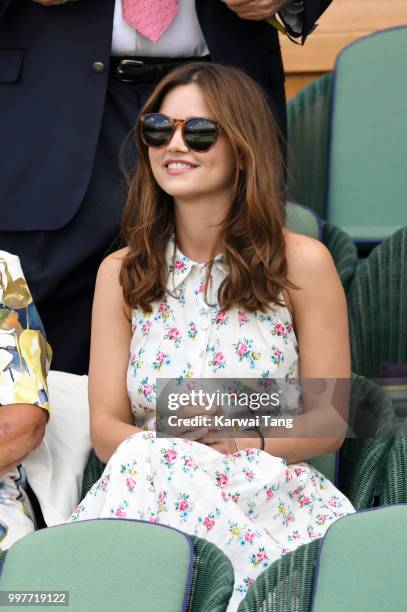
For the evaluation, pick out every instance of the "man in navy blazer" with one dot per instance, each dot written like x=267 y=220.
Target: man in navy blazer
x=62 y=191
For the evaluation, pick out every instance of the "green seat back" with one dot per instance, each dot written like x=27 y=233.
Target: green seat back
x=377 y=302
x=362 y=563
x=307 y=150
x=395 y=473
x=362 y=456
x=367 y=185
x=303 y=220
x=213 y=575
x=343 y=252
x=326 y=464
x=105 y=565
x=286 y=586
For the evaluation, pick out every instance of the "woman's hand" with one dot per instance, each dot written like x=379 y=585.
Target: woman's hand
x=226 y=446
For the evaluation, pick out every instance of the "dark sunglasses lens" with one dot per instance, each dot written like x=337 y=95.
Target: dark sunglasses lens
x=200 y=134
x=156 y=130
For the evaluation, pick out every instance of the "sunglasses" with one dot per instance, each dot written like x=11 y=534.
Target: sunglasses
x=199 y=134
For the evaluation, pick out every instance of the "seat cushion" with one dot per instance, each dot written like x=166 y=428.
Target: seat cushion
x=104 y=565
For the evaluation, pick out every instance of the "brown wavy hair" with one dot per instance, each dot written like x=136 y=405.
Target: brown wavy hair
x=252 y=230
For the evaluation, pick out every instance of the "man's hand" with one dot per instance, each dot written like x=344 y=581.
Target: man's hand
x=50 y=2
x=22 y=428
x=256 y=9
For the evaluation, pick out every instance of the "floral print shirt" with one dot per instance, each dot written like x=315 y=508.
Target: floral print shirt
x=24 y=353
x=184 y=337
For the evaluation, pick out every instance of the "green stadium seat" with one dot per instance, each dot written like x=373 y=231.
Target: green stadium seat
x=367 y=178
x=108 y=565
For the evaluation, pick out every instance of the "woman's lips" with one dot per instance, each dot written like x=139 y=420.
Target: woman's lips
x=178 y=167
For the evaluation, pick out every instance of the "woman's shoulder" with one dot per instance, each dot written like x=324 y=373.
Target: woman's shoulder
x=112 y=264
x=308 y=259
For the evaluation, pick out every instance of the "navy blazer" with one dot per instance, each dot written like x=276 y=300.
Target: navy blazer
x=51 y=100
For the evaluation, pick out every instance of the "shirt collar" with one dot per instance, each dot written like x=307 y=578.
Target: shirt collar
x=180 y=266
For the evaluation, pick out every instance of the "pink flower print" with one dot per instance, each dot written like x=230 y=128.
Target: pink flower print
x=180 y=265
x=133 y=327
x=288 y=474
x=189 y=464
x=249 y=536
x=285 y=514
x=169 y=456
x=162 y=501
x=269 y=492
x=147 y=390
x=120 y=513
x=218 y=361
x=311 y=532
x=221 y=479
x=183 y=505
x=192 y=331
x=249 y=474
x=161 y=359
x=130 y=483
x=208 y=522
x=242 y=317
x=334 y=502
x=298 y=470
x=164 y=311
x=288 y=326
x=221 y=318
x=262 y=555
x=175 y=335
x=201 y=287
x=136 y=362
x=321 y=519
x=279 y=329
x=146 y=328
x=277 y=355
x=242 y=349
x=259 y=558
x=304 y=500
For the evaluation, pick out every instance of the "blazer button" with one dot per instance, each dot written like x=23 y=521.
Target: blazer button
x=98 y=67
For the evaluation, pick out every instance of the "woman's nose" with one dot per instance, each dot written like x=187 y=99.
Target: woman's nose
x=177 y=141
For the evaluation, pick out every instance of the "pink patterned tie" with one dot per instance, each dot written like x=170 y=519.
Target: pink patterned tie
x=150 y=17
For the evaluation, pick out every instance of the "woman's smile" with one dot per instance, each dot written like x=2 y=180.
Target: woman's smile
x=175 y=167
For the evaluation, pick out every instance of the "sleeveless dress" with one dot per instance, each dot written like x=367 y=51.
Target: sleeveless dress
x=251 y=504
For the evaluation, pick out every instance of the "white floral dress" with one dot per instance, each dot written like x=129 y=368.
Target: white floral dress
x=251 y=504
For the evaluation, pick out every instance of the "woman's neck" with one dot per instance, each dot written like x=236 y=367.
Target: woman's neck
x=197 y=228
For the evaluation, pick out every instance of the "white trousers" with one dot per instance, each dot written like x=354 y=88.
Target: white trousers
x=16 y=513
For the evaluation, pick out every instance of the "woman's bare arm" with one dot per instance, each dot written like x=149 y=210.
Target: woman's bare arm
x=321 y=326
x=111 y=419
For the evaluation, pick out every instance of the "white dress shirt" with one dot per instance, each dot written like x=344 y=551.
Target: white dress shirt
x=184 y=37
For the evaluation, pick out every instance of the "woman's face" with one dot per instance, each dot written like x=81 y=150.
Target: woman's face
x=202 y=174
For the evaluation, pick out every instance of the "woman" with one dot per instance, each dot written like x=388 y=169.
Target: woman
x=211 y=285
